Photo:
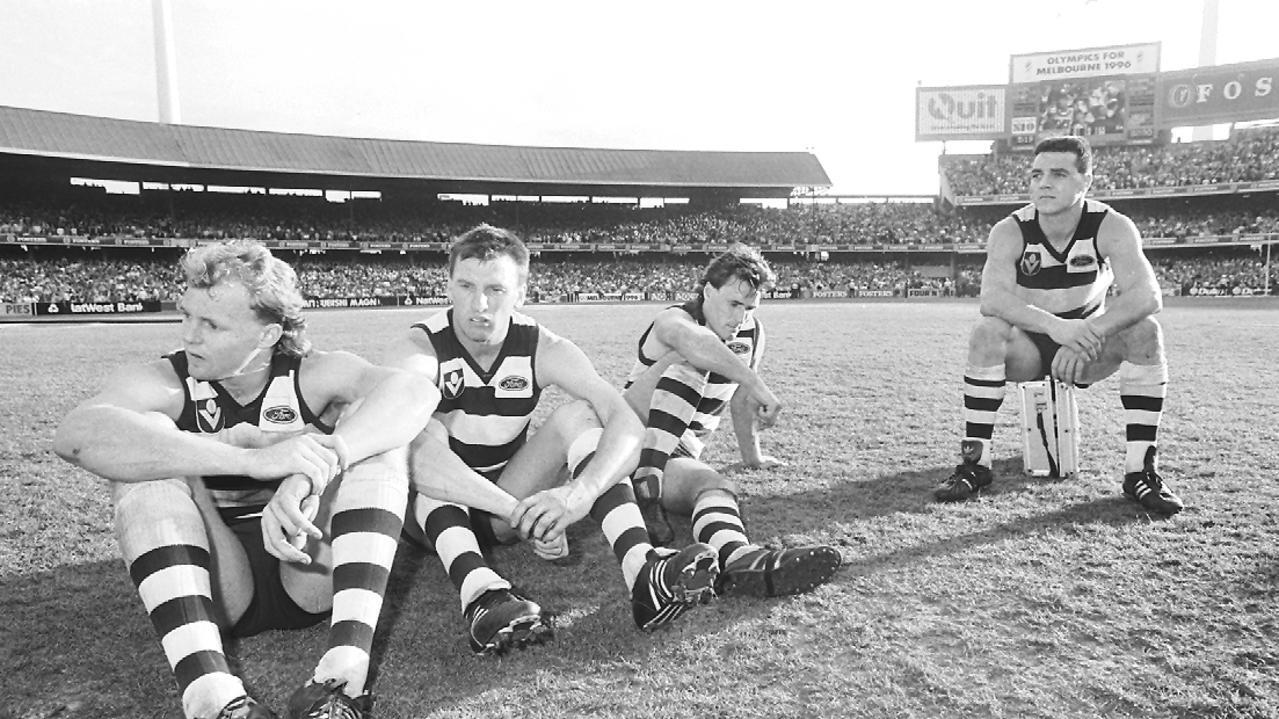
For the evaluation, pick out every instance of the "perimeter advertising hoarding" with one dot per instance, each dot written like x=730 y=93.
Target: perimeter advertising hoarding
x=1140 y=59
x=1218 y=94
x=970 y=112
x=1116 y=109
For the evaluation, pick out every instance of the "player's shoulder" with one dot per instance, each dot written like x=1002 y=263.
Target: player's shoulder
x=329 y=359
x=151 y=386
x=1008 y=230
x=434 y=322
x=1114 y=225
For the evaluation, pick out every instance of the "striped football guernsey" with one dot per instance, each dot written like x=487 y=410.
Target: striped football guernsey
x=709 y=402
x=486 y=412
x=209 y=408
x=1078 y=276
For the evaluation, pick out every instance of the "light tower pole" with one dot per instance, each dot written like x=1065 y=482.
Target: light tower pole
x=166 y=64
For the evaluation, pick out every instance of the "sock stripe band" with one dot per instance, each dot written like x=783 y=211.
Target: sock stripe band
x=163 y=557
x=367 y=519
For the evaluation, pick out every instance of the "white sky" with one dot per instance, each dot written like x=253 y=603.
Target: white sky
x=837 y=78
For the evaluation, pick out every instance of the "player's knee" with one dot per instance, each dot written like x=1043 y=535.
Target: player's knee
x=389 y=468
x=708 y=480
x=1144 y=334
x=145 y=501
x=989 y=332
x=573 y=418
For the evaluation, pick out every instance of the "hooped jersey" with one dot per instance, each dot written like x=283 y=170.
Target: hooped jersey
x=747 y=345
x=1079 y=271
x=209 y=408
x=486 y=412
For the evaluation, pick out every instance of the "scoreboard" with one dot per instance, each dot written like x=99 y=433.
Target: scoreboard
x=1118 y=109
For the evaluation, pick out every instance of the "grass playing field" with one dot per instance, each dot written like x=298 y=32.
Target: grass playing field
x=1042 y=599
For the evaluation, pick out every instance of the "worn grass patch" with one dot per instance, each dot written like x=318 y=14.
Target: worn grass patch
x=1040 y=599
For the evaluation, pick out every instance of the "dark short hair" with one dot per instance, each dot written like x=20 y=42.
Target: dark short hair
x=741 y=262
x=271 y=282
x=485 y=242
x=1073 y=144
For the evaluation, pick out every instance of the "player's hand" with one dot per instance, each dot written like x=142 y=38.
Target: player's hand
x=556 y=548
x=545 y=515
x=317 y=456
x=1068 y=366
x=765 y=461
x=1080 y=336
x=767 y=406
x=287 y=520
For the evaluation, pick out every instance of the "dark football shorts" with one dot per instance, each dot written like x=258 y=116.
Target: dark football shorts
x=1047 y=350
x=271 y=606
x=1047 y=347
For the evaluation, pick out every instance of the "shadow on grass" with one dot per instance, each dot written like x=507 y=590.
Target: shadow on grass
x=82 y=645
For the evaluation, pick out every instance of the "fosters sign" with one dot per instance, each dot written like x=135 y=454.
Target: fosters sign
x=1219 y=93
x=971 y=112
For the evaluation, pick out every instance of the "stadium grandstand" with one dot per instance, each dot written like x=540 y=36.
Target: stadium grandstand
x=94 y=210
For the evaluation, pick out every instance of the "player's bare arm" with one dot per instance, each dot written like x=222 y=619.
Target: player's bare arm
x=381 y=409
x=1000 y=298
x=563 y=364
x=749 y=417
x=126 y=433
x=388 y=407
x=703 y=349
x=435 y=471
x=1138 y=290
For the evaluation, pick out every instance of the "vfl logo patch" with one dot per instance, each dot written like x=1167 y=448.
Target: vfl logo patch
x=513 y=383
x=1083 y=261
x=209 y=416
x=453 y=384
x=280 y=414
x=1030 y=263
x=739 y=348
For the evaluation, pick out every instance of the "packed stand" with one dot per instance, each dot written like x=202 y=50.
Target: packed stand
x=1249 y=156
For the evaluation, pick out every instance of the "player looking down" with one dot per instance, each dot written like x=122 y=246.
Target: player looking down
x=692 y=362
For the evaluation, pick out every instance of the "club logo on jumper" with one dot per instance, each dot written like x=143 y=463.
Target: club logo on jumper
x=208 y=417
x=453 y=384
x=513 y=383
x=739 y=348
x=279 y=414
x=1030 y=263
x=1083 y=261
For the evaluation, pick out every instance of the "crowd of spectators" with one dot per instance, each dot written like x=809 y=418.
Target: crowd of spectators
x=91 y=278
x=59 y=274
x=1248 y=156
x=206 y=216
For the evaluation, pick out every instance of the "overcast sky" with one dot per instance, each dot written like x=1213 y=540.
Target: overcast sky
x=836 y=78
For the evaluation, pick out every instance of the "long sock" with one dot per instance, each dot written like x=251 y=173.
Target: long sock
x=1142 y=389
x=671 y=409
x=984 y=389
x=717 y=521
x=623 y=527
x=368 y=513
x=162 y=537
x=448 y=528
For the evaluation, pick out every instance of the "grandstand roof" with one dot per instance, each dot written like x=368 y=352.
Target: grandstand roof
x=40 y=133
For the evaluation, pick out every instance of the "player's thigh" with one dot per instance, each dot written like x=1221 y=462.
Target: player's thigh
x=231 y=576
x=685 y=478
x=1140 y=343
x=541 y=462
x=310 y=586
x=1023 y=359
